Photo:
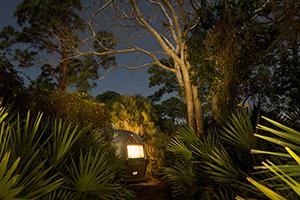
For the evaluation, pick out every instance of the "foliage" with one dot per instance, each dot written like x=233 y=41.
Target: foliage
x=213 y=166
x=108 y=97
x=240 y=53
x=8 y=189
x=163 y=78
x=220 y=165
x=52 y=159
x=170 y=114
x=77 y=107
x=280 y=180
x=12 y=88
x=52 y=30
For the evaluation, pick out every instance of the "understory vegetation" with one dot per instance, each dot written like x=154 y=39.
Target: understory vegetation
x=46 y=158
x=241 y=160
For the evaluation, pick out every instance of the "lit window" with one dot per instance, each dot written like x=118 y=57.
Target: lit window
x=135 y=151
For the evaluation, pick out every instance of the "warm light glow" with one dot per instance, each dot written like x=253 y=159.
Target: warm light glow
x=135 y=151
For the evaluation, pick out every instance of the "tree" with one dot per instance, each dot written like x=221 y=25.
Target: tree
x=283 y=60
x=165 y=79
x=224 y=47
x=50 y=33
x=175 y=18
x=171 y=114
x=12 y=90
x=108 y=97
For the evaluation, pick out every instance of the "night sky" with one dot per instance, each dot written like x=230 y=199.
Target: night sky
x=120 y=80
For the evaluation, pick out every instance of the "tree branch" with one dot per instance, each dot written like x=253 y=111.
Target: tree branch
x=171 y=26
x=154 y=33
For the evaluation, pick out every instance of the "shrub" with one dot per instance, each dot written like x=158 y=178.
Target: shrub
x=214 y=166
x=76 y=107
x=54 y=159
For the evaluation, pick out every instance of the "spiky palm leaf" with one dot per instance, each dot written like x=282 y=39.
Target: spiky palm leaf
x=27 y=140
x=93 y=175
x=182 y=178
x=180 y=173
x=8 y=179
x=59 y=194
x=286 y=137
x=5 y=132
x=64 y=136
x=197 y=162
x=239 y=130
x=280 y=176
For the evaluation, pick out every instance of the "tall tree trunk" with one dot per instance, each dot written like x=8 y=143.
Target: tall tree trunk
x=188 y=94
x=198 y=110
x=222 y=100
x=193 y=102
x=216 y=110
x=63 y=83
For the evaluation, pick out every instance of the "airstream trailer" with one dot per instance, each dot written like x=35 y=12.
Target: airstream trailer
x=131 y=148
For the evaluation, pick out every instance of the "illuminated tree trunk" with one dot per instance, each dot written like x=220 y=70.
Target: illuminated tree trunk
x=198 y=110
x=192 y=101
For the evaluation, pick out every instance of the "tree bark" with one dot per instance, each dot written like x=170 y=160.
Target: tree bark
x=198 y=110
x=63 y=83
x=192 y=100
x=188 y=94
x=216 y=107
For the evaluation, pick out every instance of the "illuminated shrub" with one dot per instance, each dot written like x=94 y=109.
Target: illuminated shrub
x=77 y=107
x=134 y=113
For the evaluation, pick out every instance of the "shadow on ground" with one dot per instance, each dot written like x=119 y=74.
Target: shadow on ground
x=154 y=189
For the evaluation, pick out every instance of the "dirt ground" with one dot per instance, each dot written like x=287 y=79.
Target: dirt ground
x=154 y=189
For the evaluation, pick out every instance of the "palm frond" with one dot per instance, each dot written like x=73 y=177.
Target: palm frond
x=177 y=147
x=218 y=166
x=94 y=175
x=267 y=191
x=26 y=139
x=182 y=178
x=64 y=137
x=5 y=134
x=238 y=130
x=39 y=180
x=8 y=179
x=286 y=137
x=59 y=194
x=3 y=113
x=280 y=176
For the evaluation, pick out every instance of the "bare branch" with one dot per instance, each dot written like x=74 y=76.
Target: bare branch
x=106 y=73
x=175 y=19
x=90 y=22
x=139 y=67
x=171 y=27
x=168 y=42
x=154 y=33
